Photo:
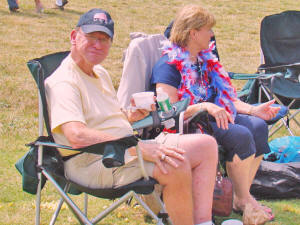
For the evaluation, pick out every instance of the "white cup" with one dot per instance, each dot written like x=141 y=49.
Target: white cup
x=232 y=222
x=143 y=100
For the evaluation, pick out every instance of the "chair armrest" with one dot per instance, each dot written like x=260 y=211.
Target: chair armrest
x=148 y=121
x=112 y=151
x=246 y=76
x=199 y=120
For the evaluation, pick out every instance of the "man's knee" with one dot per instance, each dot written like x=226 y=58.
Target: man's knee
x=183 y=171
x=211 y=147
x=175 y=176
x=211 y=143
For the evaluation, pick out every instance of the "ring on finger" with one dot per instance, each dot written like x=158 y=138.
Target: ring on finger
x=162 y=157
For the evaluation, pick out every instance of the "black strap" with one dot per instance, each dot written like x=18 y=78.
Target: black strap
x=65 y=158
x=156 y=120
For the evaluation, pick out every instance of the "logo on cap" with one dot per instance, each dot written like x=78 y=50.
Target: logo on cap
x=100 y=16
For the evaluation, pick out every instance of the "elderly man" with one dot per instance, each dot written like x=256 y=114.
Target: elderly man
x=84 y=110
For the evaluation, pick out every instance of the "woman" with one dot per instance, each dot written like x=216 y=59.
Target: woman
x=189 y=69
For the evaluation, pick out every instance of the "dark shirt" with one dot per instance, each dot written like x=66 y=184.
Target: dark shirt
x=165 y=73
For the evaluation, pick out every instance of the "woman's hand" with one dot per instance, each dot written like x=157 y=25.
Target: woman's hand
x=220 y=114
x=265 y=111
x=161 y=154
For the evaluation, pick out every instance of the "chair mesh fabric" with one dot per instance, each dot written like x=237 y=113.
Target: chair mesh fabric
x=280 y=38
x=280 y=43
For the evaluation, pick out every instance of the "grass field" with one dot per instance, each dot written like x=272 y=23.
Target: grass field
x=27 y=35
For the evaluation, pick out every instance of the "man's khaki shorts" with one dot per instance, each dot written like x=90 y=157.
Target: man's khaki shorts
x=88 y=170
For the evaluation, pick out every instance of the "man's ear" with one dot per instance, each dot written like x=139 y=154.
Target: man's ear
x=73 y=36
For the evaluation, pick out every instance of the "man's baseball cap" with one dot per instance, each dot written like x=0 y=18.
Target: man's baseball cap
x=96 y=20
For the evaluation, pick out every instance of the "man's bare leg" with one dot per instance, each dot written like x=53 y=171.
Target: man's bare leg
x=188 y=190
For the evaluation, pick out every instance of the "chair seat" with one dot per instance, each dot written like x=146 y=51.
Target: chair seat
x=140 y=186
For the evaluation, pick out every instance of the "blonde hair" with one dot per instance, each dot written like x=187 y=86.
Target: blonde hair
x=188 y=18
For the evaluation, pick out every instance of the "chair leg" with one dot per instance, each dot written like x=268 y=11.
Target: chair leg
x=40 y=160
x=293 y=116
x=85 y=204
x=112 y=207
x=162 y=206
x=73 y=207
x=38 y=200
x=61 y=201
x=283 y=123
x=143 y=204
x=123 y=199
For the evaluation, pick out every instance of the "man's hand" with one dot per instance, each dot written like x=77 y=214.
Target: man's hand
x=161 y=154
x=134 y=114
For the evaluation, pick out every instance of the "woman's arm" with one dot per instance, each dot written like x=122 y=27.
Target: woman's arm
x=264 y=111
x=221 y=116
x=242 y=107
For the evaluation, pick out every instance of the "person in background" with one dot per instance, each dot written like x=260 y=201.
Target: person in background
x=188 y=68
x=39 y=8
x=59 y=4
x=84 y=110
x=13 y=6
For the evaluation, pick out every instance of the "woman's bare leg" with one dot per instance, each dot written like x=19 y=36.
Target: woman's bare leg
x=253 y=169
x=239 y=172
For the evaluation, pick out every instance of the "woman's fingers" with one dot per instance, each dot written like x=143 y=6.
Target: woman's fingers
x=230 y=118
x=222 y=120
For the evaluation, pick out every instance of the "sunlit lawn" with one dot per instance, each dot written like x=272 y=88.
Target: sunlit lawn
x=28 y=35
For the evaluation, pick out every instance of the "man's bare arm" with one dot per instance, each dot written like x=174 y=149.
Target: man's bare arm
x=79 y=135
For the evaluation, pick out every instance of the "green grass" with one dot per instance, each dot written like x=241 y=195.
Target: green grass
x=27 y=35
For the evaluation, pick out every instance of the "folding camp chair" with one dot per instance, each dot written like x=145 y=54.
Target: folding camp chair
x=279 y=76
x=139 y=59
x=43 y=162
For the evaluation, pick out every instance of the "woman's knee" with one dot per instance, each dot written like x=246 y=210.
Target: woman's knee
x=259 y=125
x=243 y=137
